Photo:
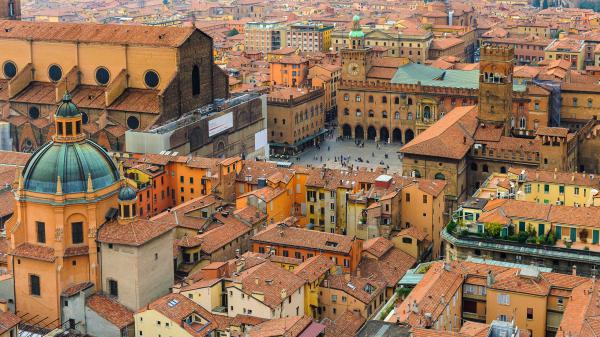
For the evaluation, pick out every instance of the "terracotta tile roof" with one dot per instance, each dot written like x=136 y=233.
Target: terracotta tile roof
x=133 y=233
x=381 y=72
x=36 y=252
x=138 y=100
x=218 y=237
x=76 y=288
x=474 y=329
x=250 y=214
x=450 y=137
x=519 y=208
x=415 y=233
x=581 y=315
x=286 y=327
x=389 y=268
x=177 y=308
x=297 y=237
x=552 y=131
x=95 y=33
x=314 y=267
x=183 y=215
x=14 y=158
x=270 y=280
x=437 y=282
x=111 y=310
x=76 y=251
x=8 y=320
x=7 y=202
x=377 y=246
x=432 y=187
x=363 y=289
x=445 y=43
x=346 y=324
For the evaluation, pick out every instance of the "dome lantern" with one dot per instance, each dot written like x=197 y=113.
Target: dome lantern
x=127 y=203
x=68 y=121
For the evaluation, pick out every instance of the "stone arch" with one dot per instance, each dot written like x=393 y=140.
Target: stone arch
x=359 y=132
x=346 y=131
x=408 y=135
x=371 y=133
x=384 y=134
x=397 y=135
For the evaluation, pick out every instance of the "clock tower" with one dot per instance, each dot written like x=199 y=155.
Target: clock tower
x=356 y=57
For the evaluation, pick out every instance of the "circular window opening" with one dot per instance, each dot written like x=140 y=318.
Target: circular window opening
x=102 y=76
x=84 y=118
x=10 y=69
x=133 y=123
x=55 y=73
x=34 y=112
x=151 y=79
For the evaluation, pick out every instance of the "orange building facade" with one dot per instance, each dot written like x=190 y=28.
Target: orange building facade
x=65 y=192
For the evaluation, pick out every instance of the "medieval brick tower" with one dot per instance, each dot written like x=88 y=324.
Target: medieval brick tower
x=495 y=85
x=356 y=59
x=10 y=9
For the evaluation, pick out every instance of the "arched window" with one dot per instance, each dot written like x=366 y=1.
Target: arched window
x=589 y=103
x=522 y=123
x=371 y=113
x=485 y=168
x=196 y=81
x=409 y=102
x=370 y=98
x=346 y=112
x=427 y=112
x=503 y=169
x=274 y=120
x=473 y=167
x=409 y=116
x=384 y=114
x=439 y=176
x=397 y=115
x=384 y=99
x=396 y=100
x=346 y=97
x=416 y=174
x=358 y=113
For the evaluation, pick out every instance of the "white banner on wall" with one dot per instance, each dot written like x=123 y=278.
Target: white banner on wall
x=260 y=139
x=220 y=124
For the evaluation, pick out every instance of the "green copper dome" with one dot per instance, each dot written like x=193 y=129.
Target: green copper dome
x=356 y=31
x=127 y=193
x=67 y=108
x=73 y=162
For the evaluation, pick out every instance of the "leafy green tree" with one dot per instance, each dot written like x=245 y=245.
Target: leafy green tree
x=493 y=229
x=233 y=32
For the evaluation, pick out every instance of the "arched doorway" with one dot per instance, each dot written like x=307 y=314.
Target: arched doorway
x=397 y=135
x=346 y=131
x=384 y=135
x=359 y=132
x=371 y=133
x=408 y=136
